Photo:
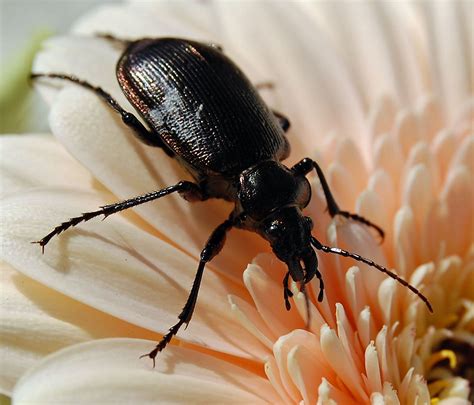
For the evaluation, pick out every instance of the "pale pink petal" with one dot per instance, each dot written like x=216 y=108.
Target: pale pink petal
x=110 y=370
x=120 y=269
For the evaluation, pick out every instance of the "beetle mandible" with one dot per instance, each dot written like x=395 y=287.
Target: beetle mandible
x=193 y=98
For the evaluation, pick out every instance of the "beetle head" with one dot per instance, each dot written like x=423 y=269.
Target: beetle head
x=289 y=234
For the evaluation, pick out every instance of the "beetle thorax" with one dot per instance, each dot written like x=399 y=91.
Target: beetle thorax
x=269 y=186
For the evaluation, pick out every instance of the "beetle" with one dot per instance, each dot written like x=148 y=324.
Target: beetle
x=204 y=112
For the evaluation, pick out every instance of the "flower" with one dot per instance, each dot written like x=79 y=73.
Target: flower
x=408 y=167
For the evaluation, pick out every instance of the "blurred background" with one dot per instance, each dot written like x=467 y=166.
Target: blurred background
x=24 y=25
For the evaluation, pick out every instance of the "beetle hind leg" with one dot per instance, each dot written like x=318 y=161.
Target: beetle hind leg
x=213 y=247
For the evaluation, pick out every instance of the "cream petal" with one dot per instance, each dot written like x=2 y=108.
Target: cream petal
x=365 y=327
x=418 y=193
x=342 y=365
x=314 y=87
x=261 y=286
x=444 y=146
x=349 y=156
x=431 y=115
x=373 y=207
x=382 y=115
x=372 y=369
x=36 y=321
x=356 y=238
x=148 y=19
x=110 y=370
x=450 y=57
x=382 y=184
x=273 y=375
x=458 y=195
x=465 y=155
x=403 y=243
x=387 y=295
x=329 y=395
x=342 y=185
x=120 y=269
x=407 y=130
x=388 y=156
x=91 y=59
x=251 y=320
x=29 y=161
x=301 y=366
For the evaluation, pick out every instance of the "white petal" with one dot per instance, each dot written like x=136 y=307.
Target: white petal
x=29 y=161
x=120 y=269
x=110 y=371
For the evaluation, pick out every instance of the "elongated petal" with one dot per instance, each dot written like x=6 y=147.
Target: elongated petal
x=118 y=268
x=30 y=161
x=110 y=370
x=36 y=320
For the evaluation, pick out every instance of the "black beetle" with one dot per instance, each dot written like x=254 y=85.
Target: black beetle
x=204 y=112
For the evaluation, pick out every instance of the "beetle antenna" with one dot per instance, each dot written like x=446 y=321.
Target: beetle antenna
x=327 y=249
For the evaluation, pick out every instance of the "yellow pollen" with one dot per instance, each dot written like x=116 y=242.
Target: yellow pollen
x=442 y=355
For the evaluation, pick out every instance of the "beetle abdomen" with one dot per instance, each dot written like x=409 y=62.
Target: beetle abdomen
x=204 y=108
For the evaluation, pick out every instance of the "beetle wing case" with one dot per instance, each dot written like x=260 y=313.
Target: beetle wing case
x=200 y=104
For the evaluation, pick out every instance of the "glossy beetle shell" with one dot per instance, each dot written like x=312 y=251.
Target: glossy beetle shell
x=201 y=105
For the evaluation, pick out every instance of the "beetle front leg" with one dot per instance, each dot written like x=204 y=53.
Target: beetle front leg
x=304 y=166
x=128 y=118
x=213 y=247
x=187 y=190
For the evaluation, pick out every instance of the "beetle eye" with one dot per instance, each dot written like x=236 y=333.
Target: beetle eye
x=275 y=230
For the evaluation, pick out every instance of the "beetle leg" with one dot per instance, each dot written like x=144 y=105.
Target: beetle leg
x=128 y=118
x=304 y=166
x=186 y=189
x=213 y=247
x=112 y=38
x=286 y=291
